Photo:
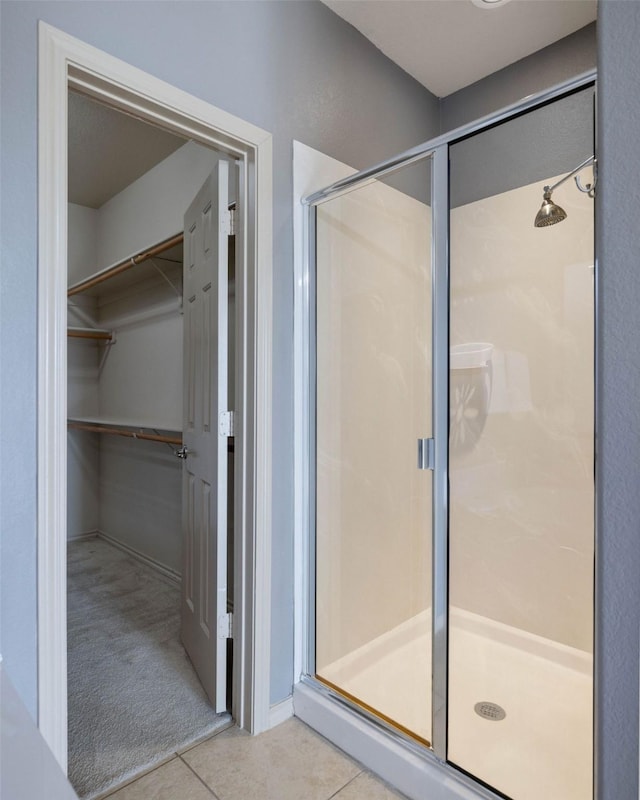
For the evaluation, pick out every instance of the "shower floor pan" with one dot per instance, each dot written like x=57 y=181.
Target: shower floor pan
x=543 y=745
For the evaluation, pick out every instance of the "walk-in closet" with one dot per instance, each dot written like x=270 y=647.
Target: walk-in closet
x=144 y=371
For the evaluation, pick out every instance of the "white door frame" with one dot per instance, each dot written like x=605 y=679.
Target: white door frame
x=66 y=62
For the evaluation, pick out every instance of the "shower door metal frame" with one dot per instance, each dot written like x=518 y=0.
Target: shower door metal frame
x=439 y=196
x=438 y=150
x=440 y=417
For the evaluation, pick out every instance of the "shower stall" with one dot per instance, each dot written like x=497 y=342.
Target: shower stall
x=450 y=458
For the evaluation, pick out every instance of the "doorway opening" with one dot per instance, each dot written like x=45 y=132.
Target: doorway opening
x=141 y=367
x=193 y=126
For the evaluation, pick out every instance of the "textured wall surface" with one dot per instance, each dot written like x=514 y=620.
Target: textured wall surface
x=152 y=207
x=525 y=151
x=294 y=69
x=557 y=62
x=618 y=415
x=82 y=379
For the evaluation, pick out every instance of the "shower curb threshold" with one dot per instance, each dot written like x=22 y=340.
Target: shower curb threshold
x=414 y=771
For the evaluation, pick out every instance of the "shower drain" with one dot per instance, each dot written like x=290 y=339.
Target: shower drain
x=490 y=711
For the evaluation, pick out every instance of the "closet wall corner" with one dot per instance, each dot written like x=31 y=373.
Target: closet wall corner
x=125 y=358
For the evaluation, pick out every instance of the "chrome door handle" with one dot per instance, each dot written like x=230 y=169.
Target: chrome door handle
x=426 y=454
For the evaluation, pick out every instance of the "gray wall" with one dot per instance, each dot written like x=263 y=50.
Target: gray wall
x=293 y=68
x=557 y=62
x=551 y=140
x=618 y=414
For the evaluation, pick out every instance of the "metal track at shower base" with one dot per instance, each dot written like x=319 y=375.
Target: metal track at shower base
x=371 y=711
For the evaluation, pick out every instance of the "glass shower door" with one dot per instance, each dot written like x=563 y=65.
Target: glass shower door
x=373 y=402
x=521 y=459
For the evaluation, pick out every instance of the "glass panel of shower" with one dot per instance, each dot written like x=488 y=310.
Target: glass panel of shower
x=521 y=455
x=373 y=403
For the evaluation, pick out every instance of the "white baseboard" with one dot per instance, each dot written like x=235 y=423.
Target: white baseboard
x=173 y=576
x=176 y=577
x=81 y=537
x=280 y=712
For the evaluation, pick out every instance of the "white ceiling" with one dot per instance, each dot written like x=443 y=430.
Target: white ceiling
x=108 y=150
x=449 y=44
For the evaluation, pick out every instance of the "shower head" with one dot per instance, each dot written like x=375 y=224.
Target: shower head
x=549 y=213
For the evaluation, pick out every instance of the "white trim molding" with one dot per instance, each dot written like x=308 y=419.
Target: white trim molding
x=157 y=566
x=52 y=397
x=66 y=62
x=281 y=712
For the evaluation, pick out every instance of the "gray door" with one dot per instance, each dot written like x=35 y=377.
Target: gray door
x=204 y=489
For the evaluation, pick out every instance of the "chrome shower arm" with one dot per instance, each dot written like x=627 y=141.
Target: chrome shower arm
x=585 y=163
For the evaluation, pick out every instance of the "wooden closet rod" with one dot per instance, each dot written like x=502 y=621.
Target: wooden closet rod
x=125 y=265
x=80 y=333
x=151 y=437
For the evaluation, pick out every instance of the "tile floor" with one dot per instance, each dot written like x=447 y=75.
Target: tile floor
x=289 y=762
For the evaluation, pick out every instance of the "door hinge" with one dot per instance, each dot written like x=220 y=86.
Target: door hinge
x=228 y=222
x=225 y=626
x=225 y=222
x=426 y=454
x=226 y=426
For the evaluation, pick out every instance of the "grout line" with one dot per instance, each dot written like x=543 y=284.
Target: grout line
x=336 y=793
x=389 y=786
x=206 y=786
x=206 y=737
x=109 y=792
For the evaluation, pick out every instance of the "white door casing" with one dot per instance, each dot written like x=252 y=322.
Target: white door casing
x=65 y=62
x=204 y=472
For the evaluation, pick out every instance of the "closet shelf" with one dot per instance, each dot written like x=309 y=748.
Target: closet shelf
x=123 y=266
x=97 y=334
x=127 y=429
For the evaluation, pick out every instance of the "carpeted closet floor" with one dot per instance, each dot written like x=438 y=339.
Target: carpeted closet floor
x=134 y=698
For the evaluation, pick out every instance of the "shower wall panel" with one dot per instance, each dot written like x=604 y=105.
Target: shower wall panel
x=522 y=491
